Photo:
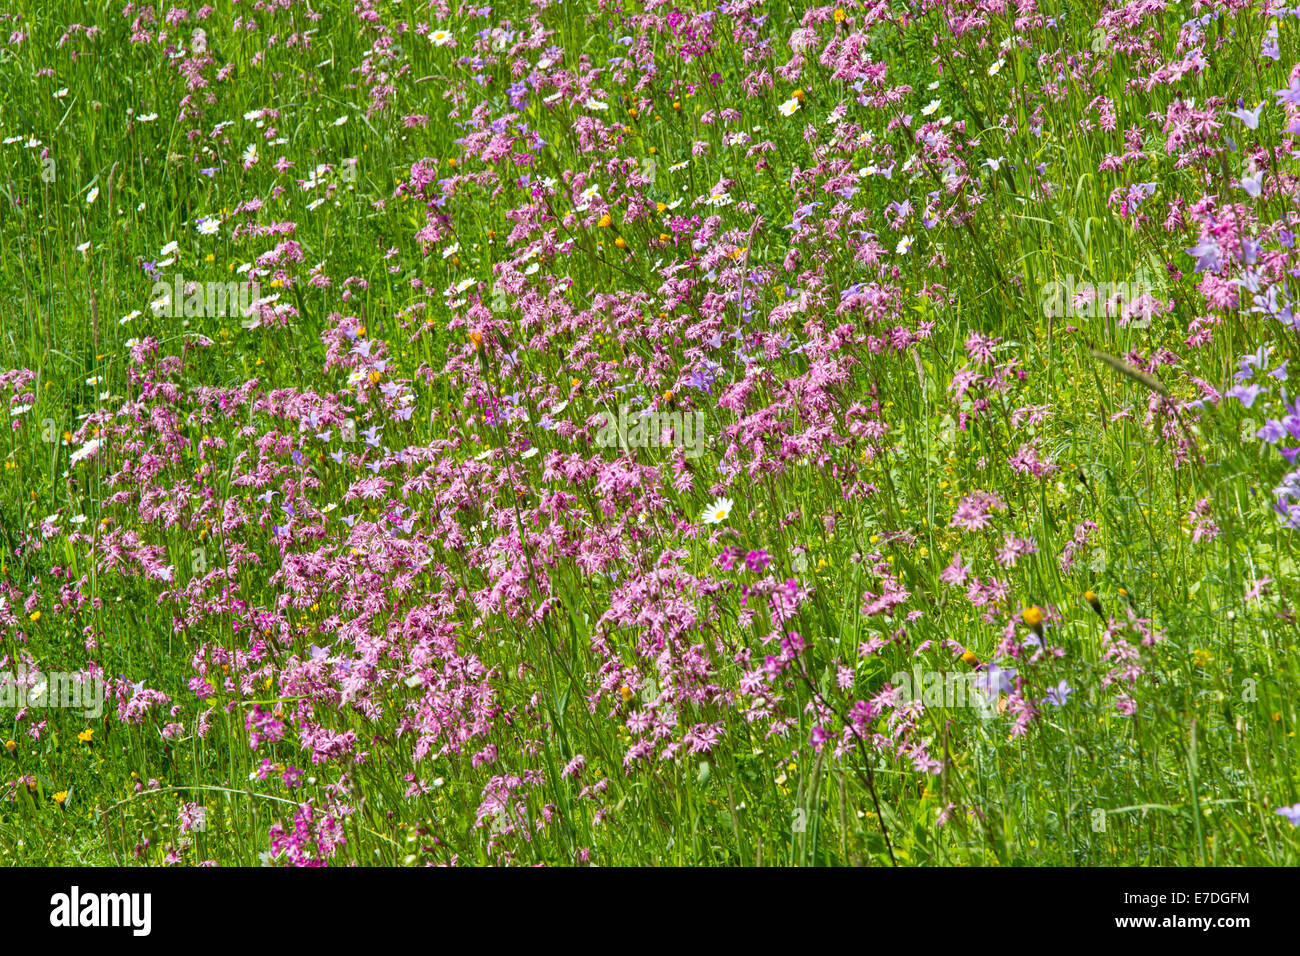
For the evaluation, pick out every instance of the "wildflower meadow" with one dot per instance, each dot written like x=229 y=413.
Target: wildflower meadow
x=639 y=433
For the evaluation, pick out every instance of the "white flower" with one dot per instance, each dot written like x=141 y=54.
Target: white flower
x=168 y=249
x=593 y=104
x=718 y=195
x=253 y=115
x=19 y=409
x=997 y=65
x=147 y=118
x=440 y=38
x=208 y=225
x=85 y=451
x=904 y=244
x=789 y=106
x=250 y=154
x=930 y=108
x=92 y=196
x=717 y=512
x=341 y=120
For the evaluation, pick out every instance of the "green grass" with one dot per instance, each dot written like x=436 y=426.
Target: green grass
x=1191 y=777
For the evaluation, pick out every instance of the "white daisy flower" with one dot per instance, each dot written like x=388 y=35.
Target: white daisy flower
x=85 y=451
x=717 y=512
